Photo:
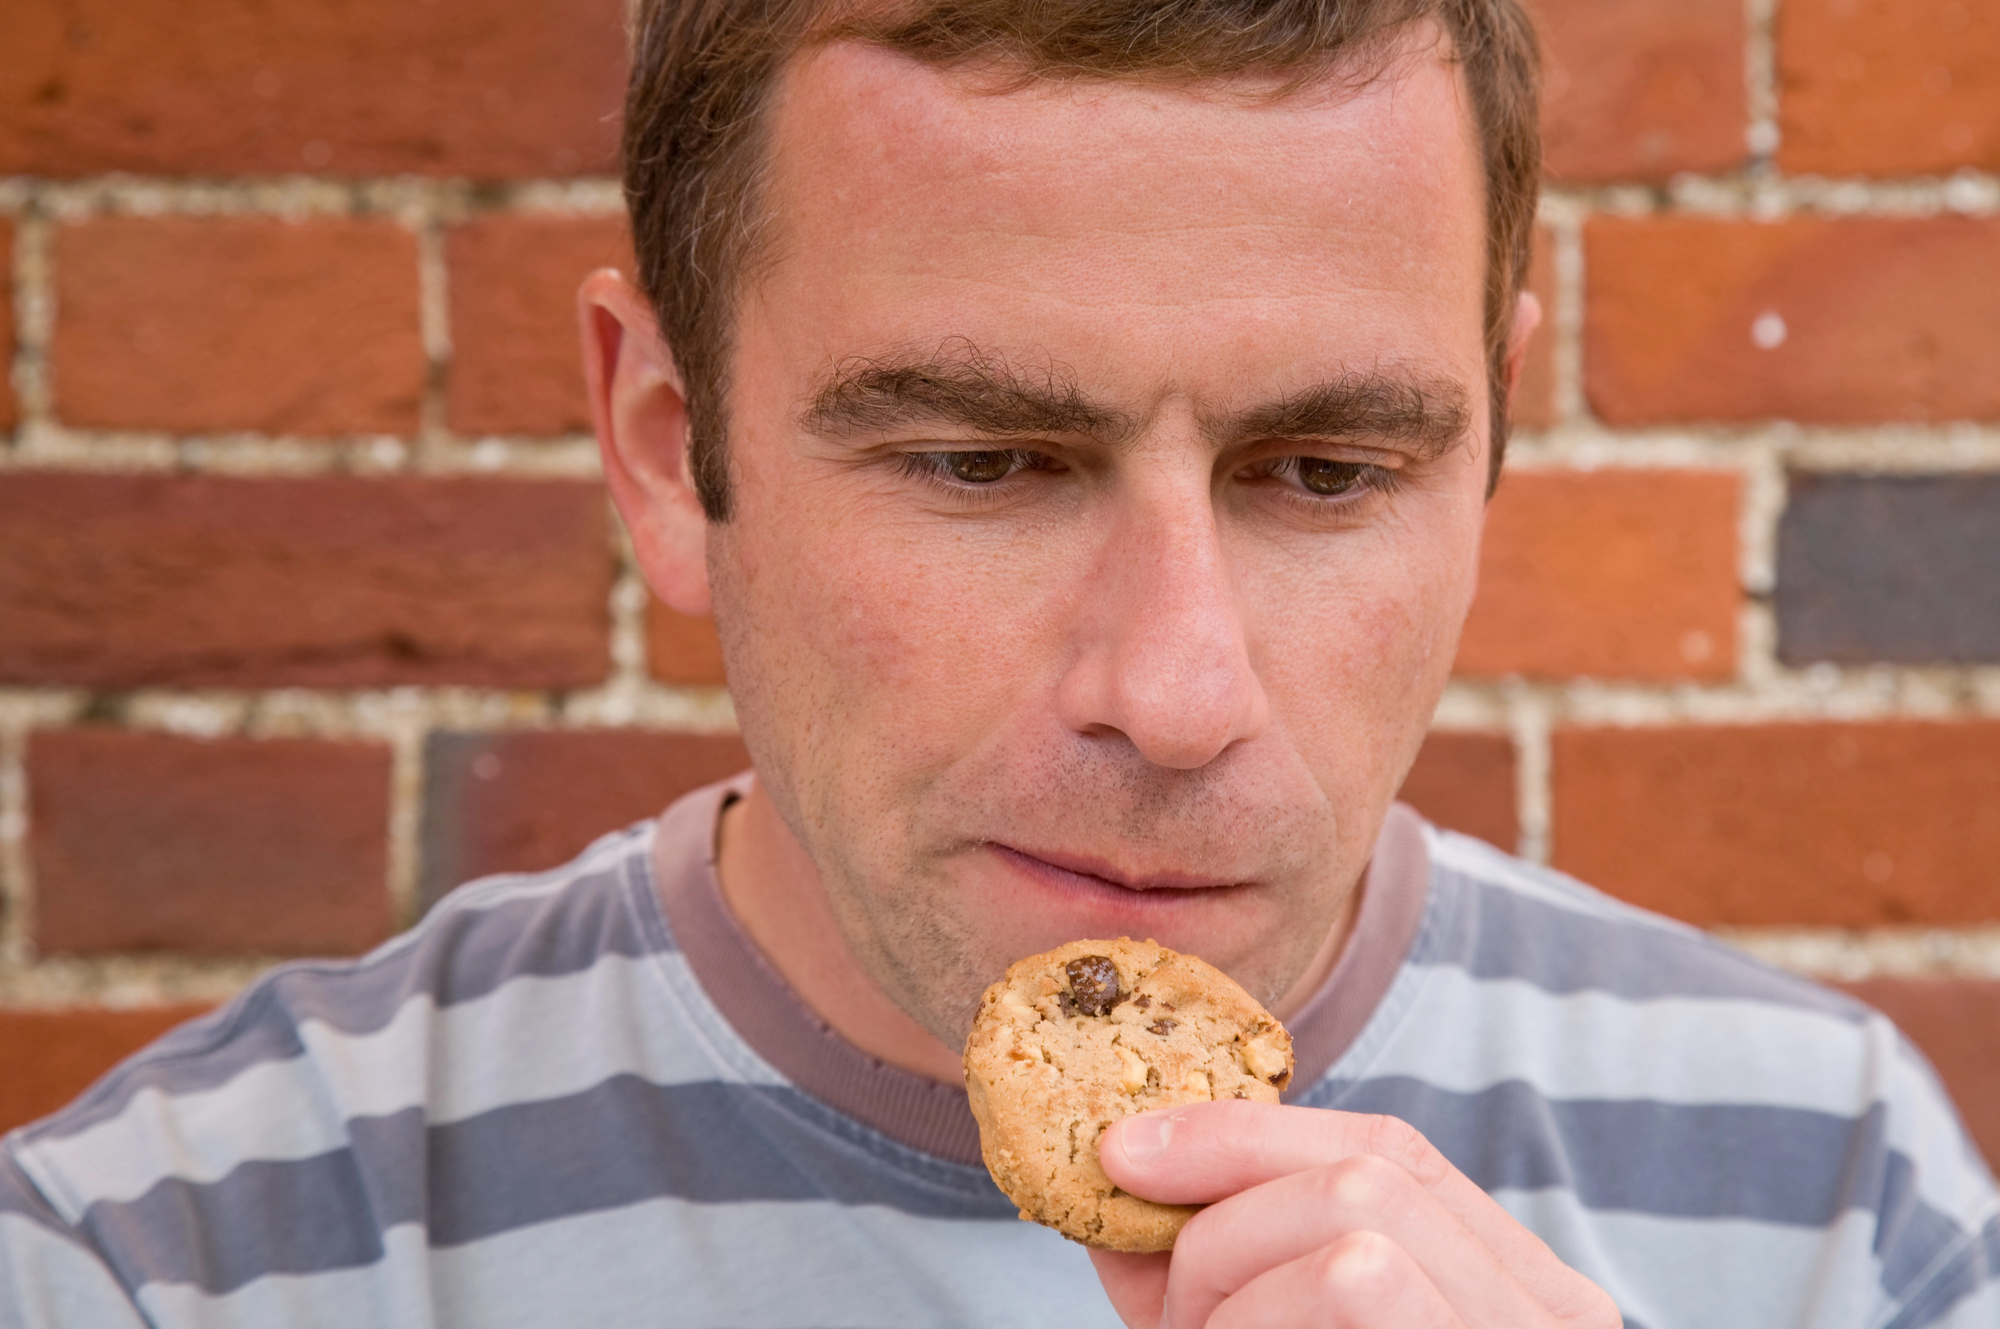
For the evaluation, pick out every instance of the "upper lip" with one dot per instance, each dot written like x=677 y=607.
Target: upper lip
x=1087 y=865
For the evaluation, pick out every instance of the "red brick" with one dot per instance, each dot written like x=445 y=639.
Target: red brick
x=118 y=581
x=187 y=323
x=1880 y=318
x=681 y=649
x=147 y=842
x=515 y=366
x=52 y=1056
x=1534 y=401
x=1465 y=782
x=1611 y=574
x=1839 y=825
x=9 y=409
x=349 y=87
x=1888 y=87
x=524 y=801
x=1956 y=1024
x=1641 y=89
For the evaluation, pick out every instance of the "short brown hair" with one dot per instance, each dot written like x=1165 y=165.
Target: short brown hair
x=703 y=71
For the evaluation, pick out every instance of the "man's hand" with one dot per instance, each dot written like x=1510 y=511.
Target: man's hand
x=1328 y=1219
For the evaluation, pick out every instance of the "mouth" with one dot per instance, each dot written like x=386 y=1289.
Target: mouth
x=1093 y=876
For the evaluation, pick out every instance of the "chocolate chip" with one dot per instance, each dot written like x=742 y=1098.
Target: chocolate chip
x=1142 y=1001
x=1093 y=980
x=1066 y=1004
x=1162 y=1027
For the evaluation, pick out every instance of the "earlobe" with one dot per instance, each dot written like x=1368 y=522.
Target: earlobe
x=638 y=406
x=1527 y=317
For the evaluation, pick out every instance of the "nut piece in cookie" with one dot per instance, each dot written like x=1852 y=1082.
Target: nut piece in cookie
x=1071 y=1040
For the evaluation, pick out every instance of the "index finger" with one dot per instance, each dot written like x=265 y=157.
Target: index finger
x=1204 y=1152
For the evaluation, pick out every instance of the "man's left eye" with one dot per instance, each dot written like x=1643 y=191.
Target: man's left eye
x=1329 y=477
x=976 y=468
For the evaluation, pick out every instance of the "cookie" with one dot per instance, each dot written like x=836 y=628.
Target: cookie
x=1069 y=1041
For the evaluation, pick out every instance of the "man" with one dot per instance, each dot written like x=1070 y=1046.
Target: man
x=1079 y=420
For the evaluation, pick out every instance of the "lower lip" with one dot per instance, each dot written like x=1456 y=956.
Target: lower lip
x=1082 y=888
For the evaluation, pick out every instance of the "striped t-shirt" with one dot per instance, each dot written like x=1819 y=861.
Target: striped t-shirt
x=581 y=1097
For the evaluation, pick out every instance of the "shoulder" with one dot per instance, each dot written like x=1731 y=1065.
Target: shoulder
x=1650 y=1071
x=1607 y=1000
x=316 y=1072
x=1501 y=917
x=477 y=941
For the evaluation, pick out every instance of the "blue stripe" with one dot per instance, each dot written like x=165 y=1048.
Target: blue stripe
x=1964 y=1274
x=619 y=1143
x=1712 y=1160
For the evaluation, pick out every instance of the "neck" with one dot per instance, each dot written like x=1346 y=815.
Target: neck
x=771 y=886
x=774 y=890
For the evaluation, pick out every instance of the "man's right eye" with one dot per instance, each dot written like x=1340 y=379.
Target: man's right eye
x=986 y=467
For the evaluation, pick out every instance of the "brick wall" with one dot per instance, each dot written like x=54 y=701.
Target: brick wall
x=311 y=603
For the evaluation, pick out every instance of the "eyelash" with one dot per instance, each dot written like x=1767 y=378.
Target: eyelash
x=930 y=467
x=1367 y=479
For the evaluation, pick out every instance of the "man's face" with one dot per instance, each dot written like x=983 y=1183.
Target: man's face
x=1108 y=468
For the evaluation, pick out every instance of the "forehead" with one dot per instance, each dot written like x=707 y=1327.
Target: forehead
x=1123 y=206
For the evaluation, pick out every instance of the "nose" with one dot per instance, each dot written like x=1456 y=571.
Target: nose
x=1160 y=653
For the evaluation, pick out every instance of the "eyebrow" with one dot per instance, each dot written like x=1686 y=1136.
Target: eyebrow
x=1427 y=413
x=963 y=388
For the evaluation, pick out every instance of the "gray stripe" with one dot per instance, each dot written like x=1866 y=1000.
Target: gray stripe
x=270 y=1217
x=22 y=1198
x=1700 y=1161
x=619 y=1143
x=1709 y=1160
x=459 y=954
x=1497 y=933
x=1971 y=1269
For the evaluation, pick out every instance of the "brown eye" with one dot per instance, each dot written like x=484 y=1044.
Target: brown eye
x=1328 y=477
x=978 y=468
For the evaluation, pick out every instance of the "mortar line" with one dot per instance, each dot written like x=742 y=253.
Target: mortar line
x=16 y=890
x=405 y=822
x=302 y=196
x=1762 y=135
x=1736 y=192
x=34 y=317
x=126 y=982
x=1760 y=193
x=1567 y=345
x=1966 y=950
x=1528 y=723
x=434 y=319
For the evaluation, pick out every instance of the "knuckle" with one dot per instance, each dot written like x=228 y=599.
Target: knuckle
x=1404 y=1145
x=1366 y=1183
x=1597 y=1311
x=1360 y=1267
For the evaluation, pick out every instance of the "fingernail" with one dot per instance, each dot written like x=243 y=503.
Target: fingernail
x=1145 y=1138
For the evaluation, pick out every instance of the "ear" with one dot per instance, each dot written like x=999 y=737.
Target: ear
x=1527 y=317
x=639 y=407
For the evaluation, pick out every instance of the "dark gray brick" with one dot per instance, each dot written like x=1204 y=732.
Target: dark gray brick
x=1900 y=569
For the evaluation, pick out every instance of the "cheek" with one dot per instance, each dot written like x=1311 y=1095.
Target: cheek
x=900 y=647
x=1354 y=660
